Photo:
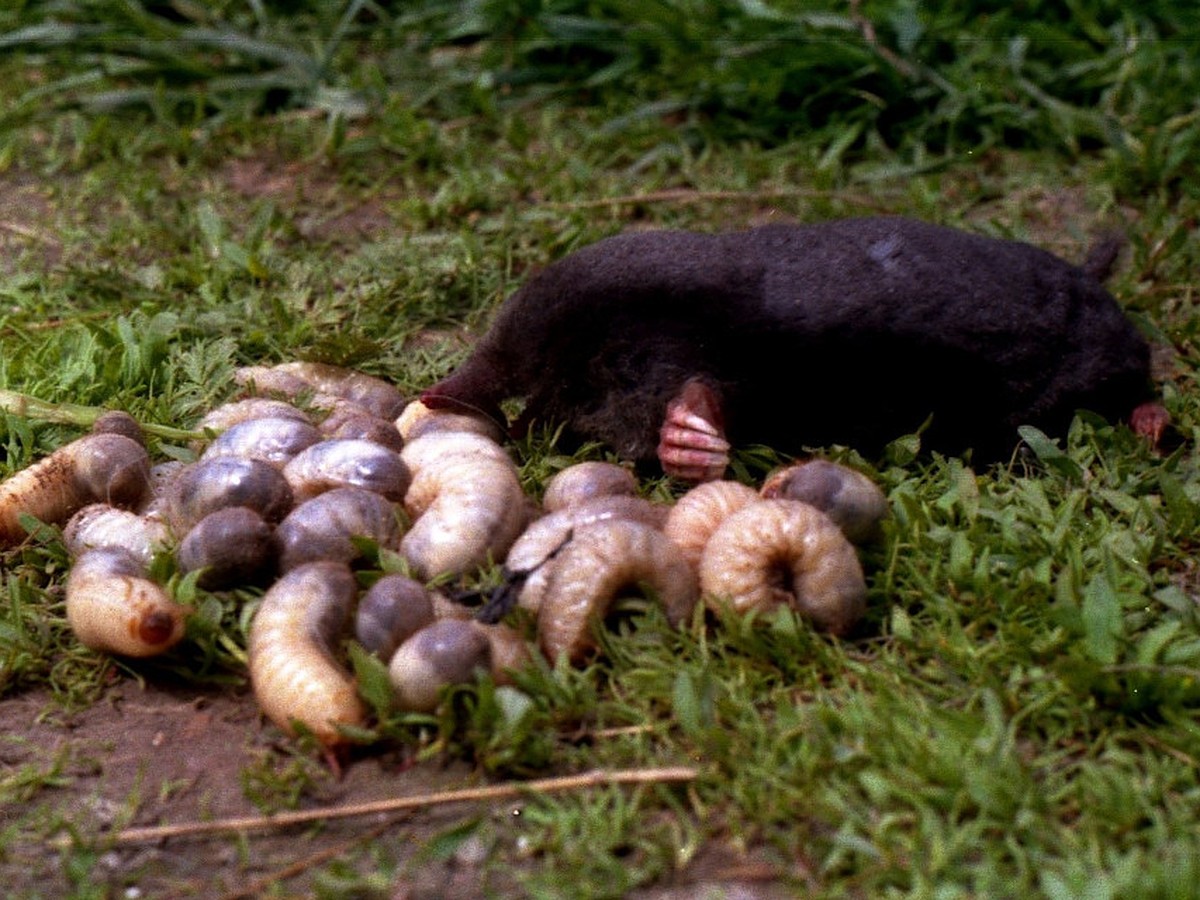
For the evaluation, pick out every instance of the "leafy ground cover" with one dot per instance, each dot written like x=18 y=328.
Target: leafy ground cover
x=186 y=188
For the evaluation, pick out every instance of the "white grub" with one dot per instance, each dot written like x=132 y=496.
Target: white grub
x=776 y=552
x=437 y=446
x=601 y=563
x=324 y=527
x=445 y=607
x=97 y=468
x=466 y=504
x=219 y=482
x=231 y=546
x=539 y=542
x=293 y=669
x=347 y=463
x=272 y=440
x=349 y=423
x=850 y=498
x=696 y=515
x=114 y=607
x=225 y=416
x=447 y=652
x=510 y=651
x=163 y=473
x=155 y=504
x=418 y=420
x=294 y=379
x=100 y=526
x=391 y=610
x=585 y=481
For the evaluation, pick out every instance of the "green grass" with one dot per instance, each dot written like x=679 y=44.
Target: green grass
x=361 y=183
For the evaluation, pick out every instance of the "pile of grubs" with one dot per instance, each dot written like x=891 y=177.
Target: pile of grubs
x=285 y=494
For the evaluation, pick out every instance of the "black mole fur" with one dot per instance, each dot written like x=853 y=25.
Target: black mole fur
x=851 y=332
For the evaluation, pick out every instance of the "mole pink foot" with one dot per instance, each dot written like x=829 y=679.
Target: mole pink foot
x=692 y=443
x=1150 y=420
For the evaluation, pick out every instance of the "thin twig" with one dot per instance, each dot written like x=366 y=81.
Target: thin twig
x=28 y=233
x=597 y=778
x=685 y=195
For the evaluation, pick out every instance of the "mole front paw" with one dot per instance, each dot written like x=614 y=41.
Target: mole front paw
x=1150 y=420
x=692 y=443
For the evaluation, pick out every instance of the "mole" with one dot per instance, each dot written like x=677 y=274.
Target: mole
x=673 y=346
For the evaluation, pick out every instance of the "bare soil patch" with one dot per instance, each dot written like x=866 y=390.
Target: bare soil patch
x=154 y=755
x=158 y=755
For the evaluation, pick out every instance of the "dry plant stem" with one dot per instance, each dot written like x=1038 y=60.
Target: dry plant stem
x=28 y=407
x=583 y=781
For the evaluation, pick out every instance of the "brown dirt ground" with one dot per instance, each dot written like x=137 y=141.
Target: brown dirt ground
x=154 y=755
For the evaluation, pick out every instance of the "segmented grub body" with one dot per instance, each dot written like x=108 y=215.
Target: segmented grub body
x=113 y=606
x=293 y=669
x=530 y=556
x=99 y=525
x=325 y=527
x=273 y=440
x=850 y=498
x=601 y=562
x=347 y=462
x=696 y=515
x=97 y=468
x=466 y=503
x=326 y=385
x=586 y=481
x=777 y=552
x=449 y=652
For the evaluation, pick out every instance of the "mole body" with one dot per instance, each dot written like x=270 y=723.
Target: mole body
x=666 y=344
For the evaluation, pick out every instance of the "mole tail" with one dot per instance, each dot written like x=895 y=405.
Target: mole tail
x=1103 y=254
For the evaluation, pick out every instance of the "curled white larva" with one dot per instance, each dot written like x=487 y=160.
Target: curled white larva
x=347 y=463
x=97 y=468
x=155 y=504
x=113 y=606
x=429 y=449
x=850 y=498
x=324 y=527
x=447 y=652
x=272 y=440
x=528 y=557
x=453 y=651
x=392 y=610
x=293 y=669
x=466 y=502
x=295 y=378
x=99 y=525
x=602 y=562
x=585 y=481
x=230 y=546
x=784 y=552
x=225 y=416
x=220 y=482
x=696 y=515
x=510 y=651
x=379 y=397
x=418 y=420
